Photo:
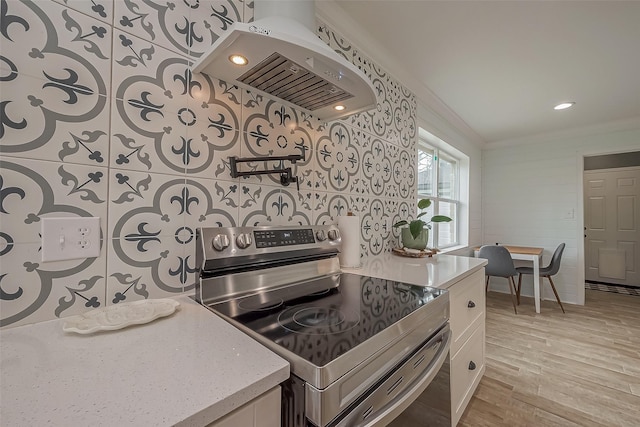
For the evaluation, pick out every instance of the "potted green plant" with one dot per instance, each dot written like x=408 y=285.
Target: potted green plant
x=416 y=235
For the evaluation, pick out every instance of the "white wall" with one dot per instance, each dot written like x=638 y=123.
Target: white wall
x=529 y=192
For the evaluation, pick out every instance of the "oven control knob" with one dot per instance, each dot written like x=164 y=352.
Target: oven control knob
x=220 y=242
x=334 y=235
x=243 y=240
x=321 y=236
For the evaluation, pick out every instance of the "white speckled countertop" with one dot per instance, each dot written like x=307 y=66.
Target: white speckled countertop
x=187 y=369
x=440 y=271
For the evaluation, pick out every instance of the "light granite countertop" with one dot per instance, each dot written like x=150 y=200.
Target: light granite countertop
x=187 y=369
x=439 y=271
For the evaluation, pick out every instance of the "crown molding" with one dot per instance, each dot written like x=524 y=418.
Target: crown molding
x=578 y=132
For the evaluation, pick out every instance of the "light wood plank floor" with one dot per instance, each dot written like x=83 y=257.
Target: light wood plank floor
x=581 y=368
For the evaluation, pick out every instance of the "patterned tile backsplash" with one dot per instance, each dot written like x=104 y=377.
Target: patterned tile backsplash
x=101 y=116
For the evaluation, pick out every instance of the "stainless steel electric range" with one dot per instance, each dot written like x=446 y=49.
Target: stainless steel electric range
x=361 y=349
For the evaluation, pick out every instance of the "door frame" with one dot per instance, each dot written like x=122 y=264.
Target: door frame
x=580 y=211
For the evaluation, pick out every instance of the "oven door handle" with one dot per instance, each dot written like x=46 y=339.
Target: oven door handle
x=408 y=396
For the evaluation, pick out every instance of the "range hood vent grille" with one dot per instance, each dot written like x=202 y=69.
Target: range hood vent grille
x=283 y=78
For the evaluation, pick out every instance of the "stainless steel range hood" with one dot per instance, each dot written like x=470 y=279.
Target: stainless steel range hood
x=288 y=62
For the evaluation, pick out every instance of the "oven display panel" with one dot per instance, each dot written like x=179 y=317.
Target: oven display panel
x=270 y=238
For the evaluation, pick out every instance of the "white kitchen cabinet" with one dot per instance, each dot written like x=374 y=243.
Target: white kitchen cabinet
x=467 y=319
x=263 y=411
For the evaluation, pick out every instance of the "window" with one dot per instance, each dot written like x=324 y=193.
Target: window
x=437 y=166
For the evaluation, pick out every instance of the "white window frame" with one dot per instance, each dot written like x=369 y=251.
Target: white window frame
x=423 y=145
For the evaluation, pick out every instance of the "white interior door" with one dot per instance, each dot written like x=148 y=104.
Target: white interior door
x=612 y=225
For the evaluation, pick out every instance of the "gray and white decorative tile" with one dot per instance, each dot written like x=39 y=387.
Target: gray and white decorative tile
x=361 y=184
x=338 y=156
x=336 y=42
x=217 y=204
x=404 y=174
x=148 y=76
x=392 y=152
x=329 y=206
x=311 y=181
x=272 y=129
x=126 y=287
x=54 y=104
x=269 y=205
x=98 y=9
x=144 y=206
x=376 y=167
x=165 y=24
x=393 y=119
x=144 y=268
x=375 y=226
x=147 y=229
x=222 y=100
x=382 y=116
x=300 y=212
x=150 y=114
x=51 y=42
x=405 y=119
x=391 y=206
x=251 y=201
x=211 y=18
x=359 y=204
x=33 y=291
x=48 y=122
x=188 y=27
x=32 y=189
x=213 y=136
x=306 y=198
x=152 y=141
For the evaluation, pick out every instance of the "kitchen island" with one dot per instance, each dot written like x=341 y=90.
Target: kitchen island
x=463 y=277
x=188 y=369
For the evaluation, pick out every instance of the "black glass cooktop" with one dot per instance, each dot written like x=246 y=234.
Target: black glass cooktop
x=322 y=319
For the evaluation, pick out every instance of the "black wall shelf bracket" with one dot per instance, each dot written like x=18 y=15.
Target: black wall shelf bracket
x=286 y=174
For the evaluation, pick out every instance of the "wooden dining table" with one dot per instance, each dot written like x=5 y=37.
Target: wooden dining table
x=526 y=253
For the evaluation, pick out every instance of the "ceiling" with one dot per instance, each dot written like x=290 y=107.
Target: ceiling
x=501 y=66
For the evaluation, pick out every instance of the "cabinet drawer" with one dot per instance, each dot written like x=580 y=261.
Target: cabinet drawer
x=467 y=303
x=467 y=367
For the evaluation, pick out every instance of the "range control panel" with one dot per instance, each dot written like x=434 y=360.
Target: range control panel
x=268 y=238
x=264 y=242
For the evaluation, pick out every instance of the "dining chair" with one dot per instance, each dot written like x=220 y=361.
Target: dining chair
x=500 y=264
x=547 y=272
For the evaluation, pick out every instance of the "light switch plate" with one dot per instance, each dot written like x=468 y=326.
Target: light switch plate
x=70 y=238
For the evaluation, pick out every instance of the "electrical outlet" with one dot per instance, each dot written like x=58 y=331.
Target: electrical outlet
x=70 y=238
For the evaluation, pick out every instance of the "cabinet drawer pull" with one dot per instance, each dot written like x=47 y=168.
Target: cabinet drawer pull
x=471 y=304
x=472 y=366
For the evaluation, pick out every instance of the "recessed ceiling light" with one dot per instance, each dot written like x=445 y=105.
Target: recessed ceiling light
x=339 y=107
x=238 y=59
x=564 y=105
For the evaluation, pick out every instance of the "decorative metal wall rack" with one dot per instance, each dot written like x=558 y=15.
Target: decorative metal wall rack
x=286 y=174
